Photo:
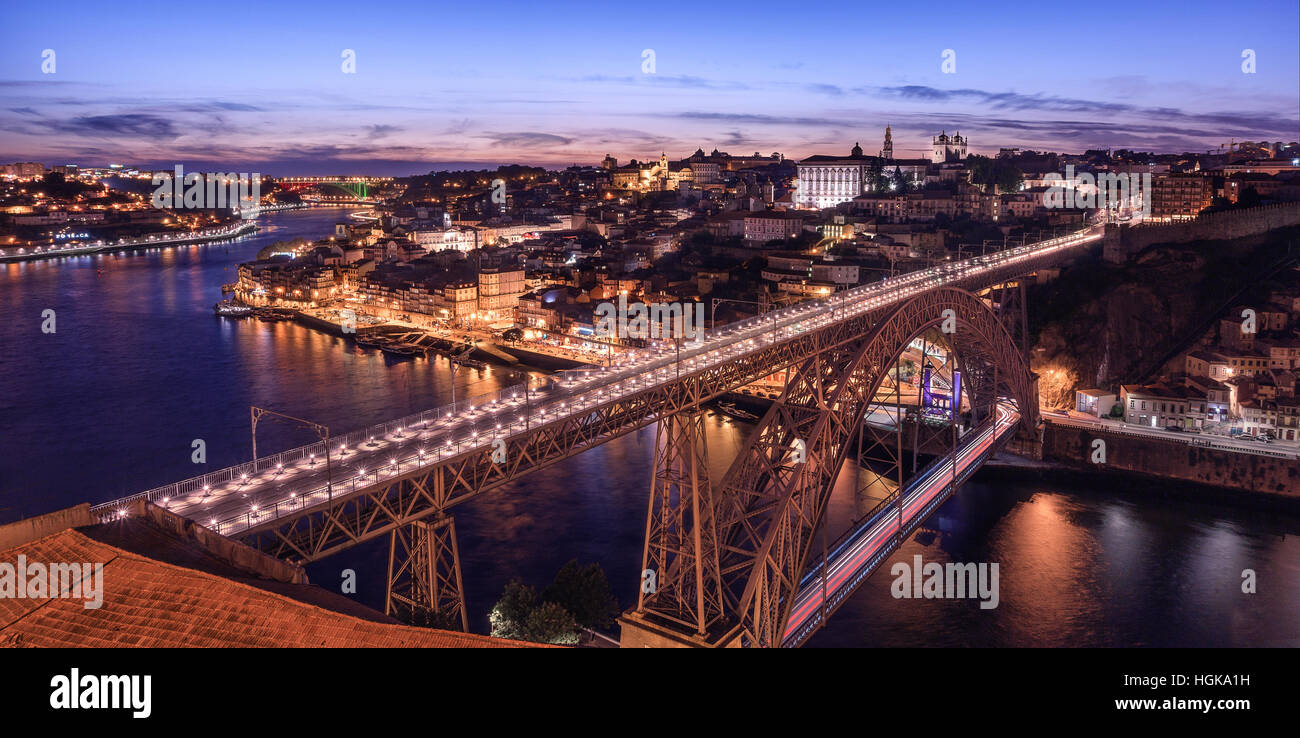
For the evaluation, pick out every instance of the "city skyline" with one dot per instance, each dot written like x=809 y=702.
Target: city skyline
x=507 y=84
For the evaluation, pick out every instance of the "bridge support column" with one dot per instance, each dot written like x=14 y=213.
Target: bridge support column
x=1011 y=307
x=680 y=582
x=424 y=581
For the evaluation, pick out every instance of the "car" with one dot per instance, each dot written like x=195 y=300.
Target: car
x=1174 y=428
x=1264 y=438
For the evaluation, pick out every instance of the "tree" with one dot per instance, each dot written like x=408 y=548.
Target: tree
x=1117 y=410
x=512 y=334
x=584 y=591
x=900 y=183
x=876 y=177
x=509 y=615
x=520 y=616
x=1000 y=172
x=551 y=623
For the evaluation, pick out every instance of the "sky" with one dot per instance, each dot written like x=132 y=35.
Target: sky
x=262 y=87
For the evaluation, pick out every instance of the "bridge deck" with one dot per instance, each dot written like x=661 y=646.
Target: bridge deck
x=533 y=420
x=856 y=555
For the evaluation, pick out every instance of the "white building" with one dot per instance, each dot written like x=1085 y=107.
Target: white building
x=943 y=148
x=827 y=181
x=459 y=239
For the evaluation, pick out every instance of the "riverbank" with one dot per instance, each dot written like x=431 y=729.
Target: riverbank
x=420 y=340
x=1007 y=467
x=211 y=234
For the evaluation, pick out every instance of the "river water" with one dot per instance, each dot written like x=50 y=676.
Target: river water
x=138 y=368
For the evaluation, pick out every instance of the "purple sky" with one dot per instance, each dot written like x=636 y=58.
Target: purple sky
x=559 y=83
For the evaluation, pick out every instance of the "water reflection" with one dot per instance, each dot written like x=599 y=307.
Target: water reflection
x=140 y=367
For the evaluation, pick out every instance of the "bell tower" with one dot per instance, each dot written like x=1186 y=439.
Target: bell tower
x=887 y=151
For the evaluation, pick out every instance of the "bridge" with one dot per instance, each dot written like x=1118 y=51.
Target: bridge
x=357 y=186
x=729 y=557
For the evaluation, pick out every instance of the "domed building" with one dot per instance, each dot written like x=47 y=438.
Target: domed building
x=826 y=180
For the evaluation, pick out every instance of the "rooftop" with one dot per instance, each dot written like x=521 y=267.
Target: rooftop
x=163 y=589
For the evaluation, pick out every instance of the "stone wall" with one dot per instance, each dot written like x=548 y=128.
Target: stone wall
x=1172 y=459
x=1123 y=241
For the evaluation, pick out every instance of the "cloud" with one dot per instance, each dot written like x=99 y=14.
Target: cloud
x=664 y=80
x=761 y=119
x=380 y=130
x=141 y=126
x=1242 y=121
x=527 y=138
x=217 y=106
x=825 y=89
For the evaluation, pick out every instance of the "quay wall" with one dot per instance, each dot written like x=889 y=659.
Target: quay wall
x=1158 y=458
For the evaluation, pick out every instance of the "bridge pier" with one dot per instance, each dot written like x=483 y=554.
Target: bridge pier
x=424 y=579
x=680 y=581
x=638 y=631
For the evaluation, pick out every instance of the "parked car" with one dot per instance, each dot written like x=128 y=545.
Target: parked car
x=1174 y=428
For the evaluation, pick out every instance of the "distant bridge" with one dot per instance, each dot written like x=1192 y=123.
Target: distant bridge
x=357 y=186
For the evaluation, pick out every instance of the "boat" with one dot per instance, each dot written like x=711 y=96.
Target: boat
x=730 y=409
x=371 y=341
x=273 y=315
x=228 y=309
x=401 y=349
x=473 y=363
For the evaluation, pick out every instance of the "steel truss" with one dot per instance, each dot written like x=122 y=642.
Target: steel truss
x=771 y=501
x=326 y=528
x=680 y=579
x=424 y=577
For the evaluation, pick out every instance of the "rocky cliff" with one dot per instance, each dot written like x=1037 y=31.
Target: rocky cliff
x=1101 y=324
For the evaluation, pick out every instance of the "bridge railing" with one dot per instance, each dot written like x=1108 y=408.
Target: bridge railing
x=1190 y=439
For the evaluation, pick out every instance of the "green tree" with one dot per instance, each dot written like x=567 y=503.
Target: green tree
x=876 y=177
x=585 y=592
x=549 y=622
x=901 y=183
x=520 y=615
x=509 y=616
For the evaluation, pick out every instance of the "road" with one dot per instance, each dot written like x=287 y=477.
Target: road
x=858 y=554
x=1275 y=449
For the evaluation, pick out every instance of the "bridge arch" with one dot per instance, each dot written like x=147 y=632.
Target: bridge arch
x=773 y=496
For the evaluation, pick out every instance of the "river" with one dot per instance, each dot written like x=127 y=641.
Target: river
x=138 y=368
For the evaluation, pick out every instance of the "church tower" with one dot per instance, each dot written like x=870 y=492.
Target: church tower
x=887 y=152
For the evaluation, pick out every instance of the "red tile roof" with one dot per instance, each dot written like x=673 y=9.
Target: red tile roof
x=150 y=603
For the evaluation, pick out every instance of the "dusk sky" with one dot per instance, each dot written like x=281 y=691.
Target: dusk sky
x=259 y=86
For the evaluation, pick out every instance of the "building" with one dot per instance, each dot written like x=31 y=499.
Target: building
x=1180 y=196
x=945 y=149
x=826 y=181
x=459 y=239
x=24 y=169
x=771 y=225
x=1162 y=406
x=1094 y=402
x=167 y=583
x=499 y=290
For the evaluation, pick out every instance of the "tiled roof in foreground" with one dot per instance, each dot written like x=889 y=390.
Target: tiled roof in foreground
x=151 y=603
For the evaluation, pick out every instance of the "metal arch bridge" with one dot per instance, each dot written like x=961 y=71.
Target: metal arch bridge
x=357 y=186
x=733 y=579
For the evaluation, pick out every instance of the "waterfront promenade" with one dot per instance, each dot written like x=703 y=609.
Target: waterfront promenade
x=216 y=233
